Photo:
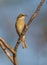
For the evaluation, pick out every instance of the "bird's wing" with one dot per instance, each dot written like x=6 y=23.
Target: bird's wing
x=16 y=29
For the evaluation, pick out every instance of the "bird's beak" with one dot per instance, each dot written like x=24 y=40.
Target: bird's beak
x=25 y=15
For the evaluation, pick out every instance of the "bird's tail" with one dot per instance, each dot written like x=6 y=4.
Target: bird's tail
x=24 y=45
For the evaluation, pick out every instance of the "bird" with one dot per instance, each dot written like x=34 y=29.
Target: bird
x=19 y=25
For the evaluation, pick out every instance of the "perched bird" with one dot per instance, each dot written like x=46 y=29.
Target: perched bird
x=19 y=25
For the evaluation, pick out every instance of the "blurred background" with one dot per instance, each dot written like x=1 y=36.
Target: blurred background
x=36 y=37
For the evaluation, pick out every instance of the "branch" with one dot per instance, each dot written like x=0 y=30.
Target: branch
x=25 y=30
x=28 y=24
x=6 y=52
x=36 y=12
x=6 y=45
x=15 y=59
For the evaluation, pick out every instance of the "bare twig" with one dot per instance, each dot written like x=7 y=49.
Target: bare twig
x=6 y=52
x=6 y=45
x=15 y=59
x=36 y=12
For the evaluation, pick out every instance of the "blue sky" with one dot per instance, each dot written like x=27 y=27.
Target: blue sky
x=36 y=53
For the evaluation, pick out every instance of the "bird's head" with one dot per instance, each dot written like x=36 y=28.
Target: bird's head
x=21 y=16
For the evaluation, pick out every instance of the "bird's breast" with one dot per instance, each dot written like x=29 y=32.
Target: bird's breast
x=20 y=26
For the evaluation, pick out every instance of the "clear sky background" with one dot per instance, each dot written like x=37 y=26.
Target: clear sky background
x=36 y=37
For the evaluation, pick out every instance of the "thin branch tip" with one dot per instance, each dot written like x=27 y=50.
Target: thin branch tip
x=6 y=45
